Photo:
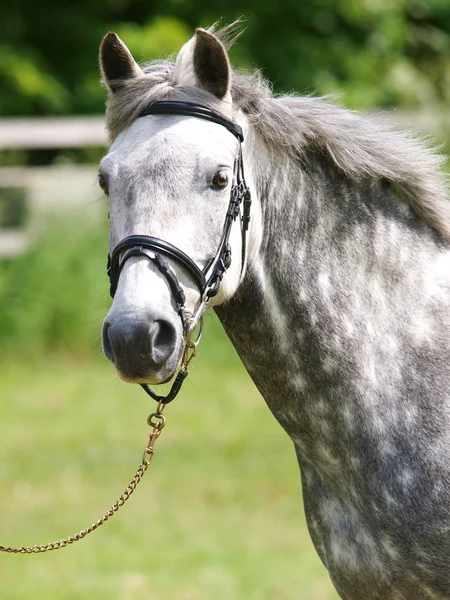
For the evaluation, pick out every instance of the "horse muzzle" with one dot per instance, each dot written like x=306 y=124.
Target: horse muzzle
x=144 y=350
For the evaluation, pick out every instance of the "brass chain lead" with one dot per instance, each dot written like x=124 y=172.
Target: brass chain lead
x=157 y=422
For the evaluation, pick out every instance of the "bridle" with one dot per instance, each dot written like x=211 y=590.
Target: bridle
x=207 y=279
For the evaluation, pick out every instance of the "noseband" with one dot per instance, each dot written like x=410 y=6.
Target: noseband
x=209 y=278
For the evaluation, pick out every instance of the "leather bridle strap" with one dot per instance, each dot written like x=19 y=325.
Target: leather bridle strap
x=189 y=109
x=134 y=245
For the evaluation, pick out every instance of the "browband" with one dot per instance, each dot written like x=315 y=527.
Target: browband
x=172 y=107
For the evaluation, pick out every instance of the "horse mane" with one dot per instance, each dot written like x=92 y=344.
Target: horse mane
x=362 y=148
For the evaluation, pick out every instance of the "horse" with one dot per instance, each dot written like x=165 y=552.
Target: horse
x=337 y=299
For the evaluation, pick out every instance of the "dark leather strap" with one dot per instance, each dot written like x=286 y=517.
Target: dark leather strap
x=172 y=107
x=155 y=245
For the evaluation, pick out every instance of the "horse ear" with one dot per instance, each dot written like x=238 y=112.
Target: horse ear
x=203 y=61
x=116 y=62
x=211 y=64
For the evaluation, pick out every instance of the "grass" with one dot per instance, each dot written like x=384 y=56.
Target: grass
x=218 y=516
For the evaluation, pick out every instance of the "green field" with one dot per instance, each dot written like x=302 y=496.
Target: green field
x=218 y=516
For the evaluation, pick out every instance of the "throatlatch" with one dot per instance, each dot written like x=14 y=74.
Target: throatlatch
x=208 y=279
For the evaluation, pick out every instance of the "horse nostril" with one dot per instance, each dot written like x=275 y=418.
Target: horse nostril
x=162 y=340
x=106 y=342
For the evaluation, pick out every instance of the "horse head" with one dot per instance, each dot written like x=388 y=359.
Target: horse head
x=169 y=177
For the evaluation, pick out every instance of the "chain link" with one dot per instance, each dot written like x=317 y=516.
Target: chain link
x=191 y=345
x=157 y=422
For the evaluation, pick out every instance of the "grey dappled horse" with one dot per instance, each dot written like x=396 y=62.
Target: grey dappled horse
x=340 y=314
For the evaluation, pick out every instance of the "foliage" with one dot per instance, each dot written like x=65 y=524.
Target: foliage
x=13 y=208
x=372 y=52
x=54 y=296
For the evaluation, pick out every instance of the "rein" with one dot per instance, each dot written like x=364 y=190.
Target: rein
x=207 y=280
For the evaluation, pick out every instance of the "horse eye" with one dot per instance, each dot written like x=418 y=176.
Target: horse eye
x=102 y=183
x=220 y=180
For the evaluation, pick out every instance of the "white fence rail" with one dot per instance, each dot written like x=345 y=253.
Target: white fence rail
x=55 y=188
x=64 y=132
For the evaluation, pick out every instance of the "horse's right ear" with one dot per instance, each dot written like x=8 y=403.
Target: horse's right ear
x=116 y=62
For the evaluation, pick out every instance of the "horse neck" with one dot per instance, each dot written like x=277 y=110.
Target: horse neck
x=258 y=318
x=343 y=323
x=333 y=255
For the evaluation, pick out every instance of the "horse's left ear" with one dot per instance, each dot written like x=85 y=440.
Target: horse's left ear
x=203 y=62
x=116 y=62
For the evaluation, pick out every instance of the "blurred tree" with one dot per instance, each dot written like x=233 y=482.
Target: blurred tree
x=372 y=52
